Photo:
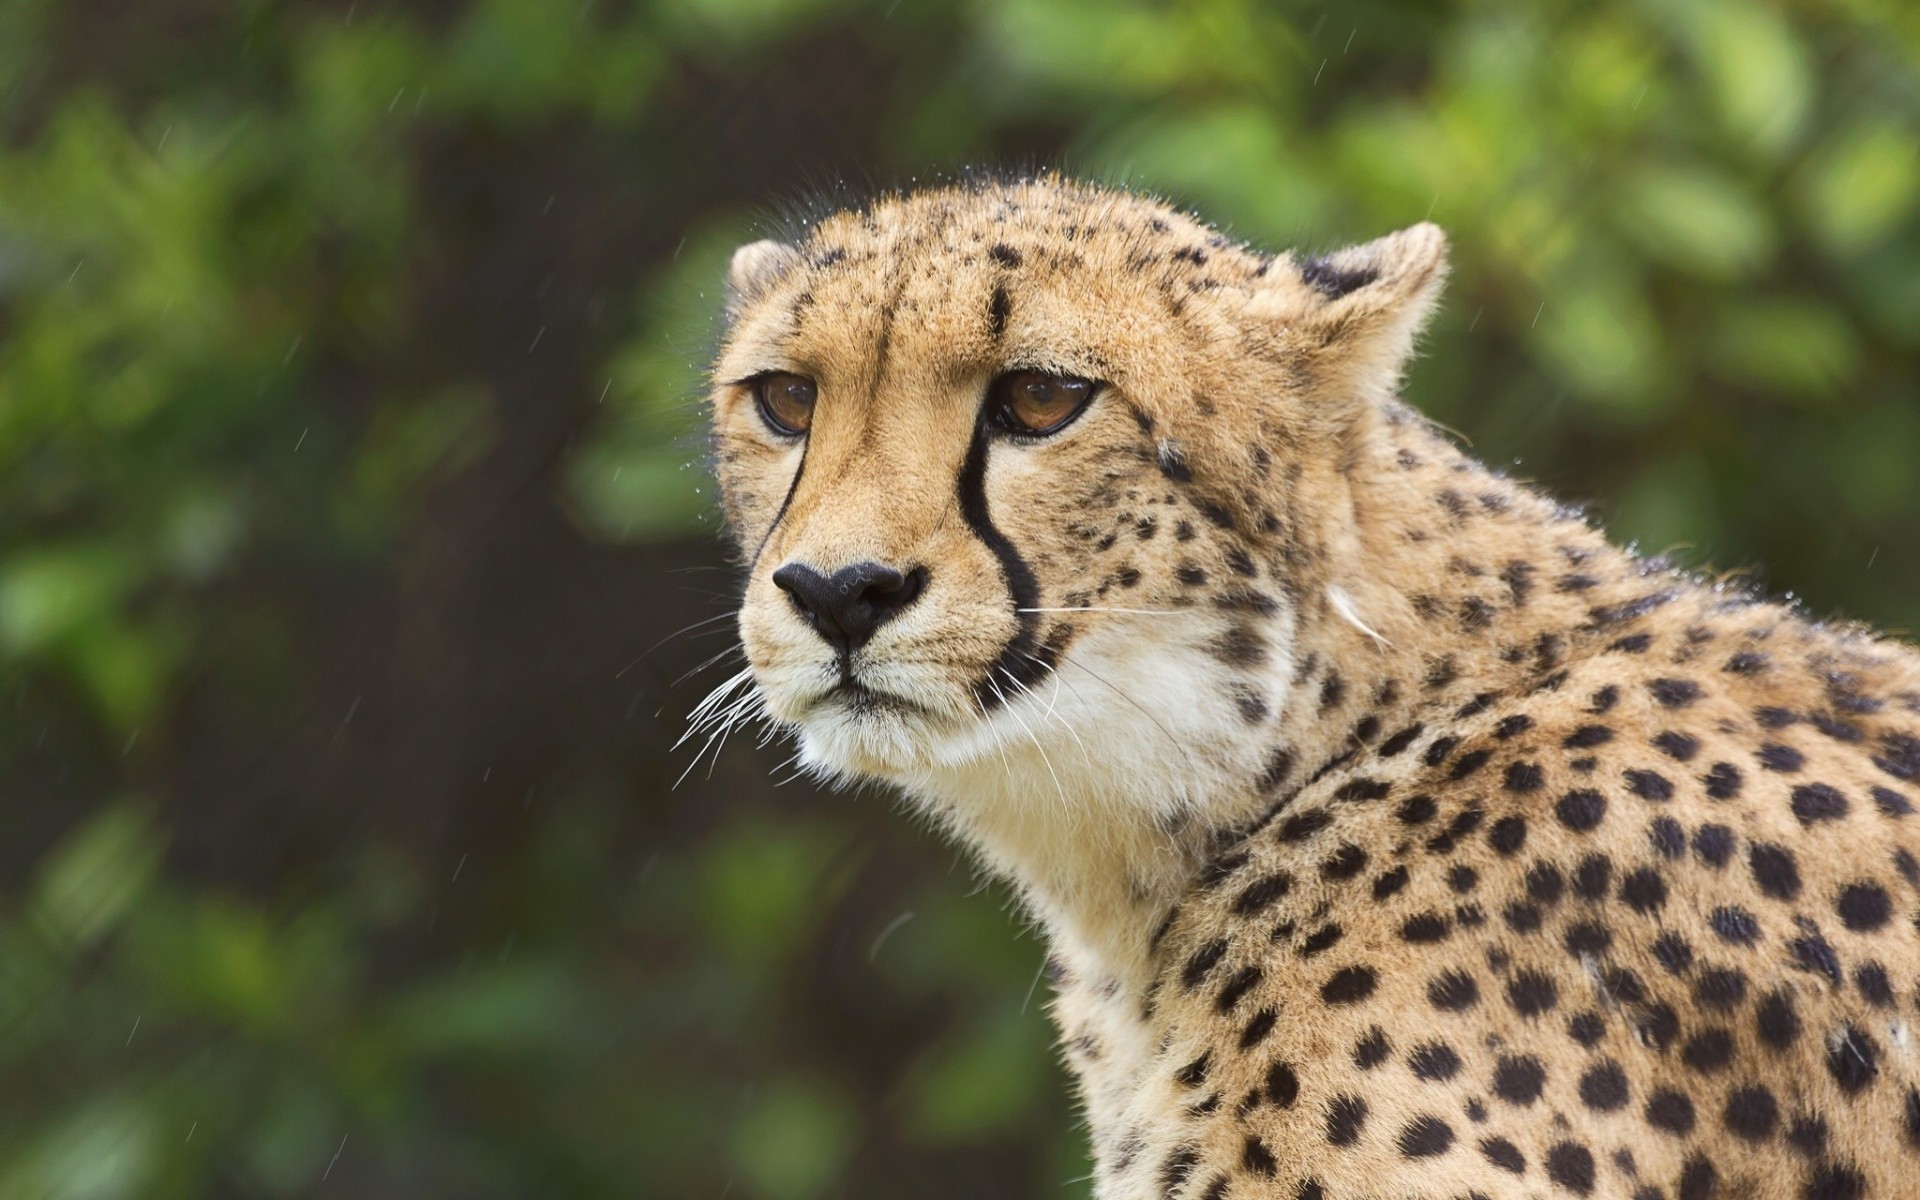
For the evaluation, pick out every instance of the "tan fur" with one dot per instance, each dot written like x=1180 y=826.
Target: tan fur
x=1315 y=711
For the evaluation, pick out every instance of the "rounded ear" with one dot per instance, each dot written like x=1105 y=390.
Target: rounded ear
x=1354 y=314
x=754 y=268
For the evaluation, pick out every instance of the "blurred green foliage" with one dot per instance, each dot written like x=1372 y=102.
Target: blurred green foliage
x=350 y=481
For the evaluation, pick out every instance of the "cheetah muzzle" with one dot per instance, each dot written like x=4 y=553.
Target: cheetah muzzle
x=1395 y=835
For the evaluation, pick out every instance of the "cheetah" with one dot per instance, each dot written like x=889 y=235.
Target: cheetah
x=1394 y=834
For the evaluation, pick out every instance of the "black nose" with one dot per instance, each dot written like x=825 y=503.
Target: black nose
x=848 y=605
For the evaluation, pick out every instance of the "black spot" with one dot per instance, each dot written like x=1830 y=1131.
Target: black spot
x=1876 y=988
x=1671 y=951
x=1587 y=937
x=1468 y=763
x=1522 y=918
x=1720 y=989
x=1633 y=643
x=998 y=310
x=1735 y=924
x=1531 y=993
x=1714 y=845
x=1814 y=802
x=1320 y=940
x=1243 y=981
x=1345 y=863
x=1864 y=907
x=1503 y=1154
x=1262 y=893
x=1747 y=662
x=1004 y=254
x=1309 y=1189
x=1588 y=736
x=1283 y=1086
x=1389 y=883
x=1256 y=1158
x=1779 y=1025
x=1723 y=781
x=1902 y=757
x=1425 y=1137
x=1678 y=746
x=1400 y=741
x=1659 y=1024
x=1349 y=985
x=1698 y=1179
x=1581 y=810
x=1668 y=838
x=1438 y=749
x=1524 y=777
x=1518 y=1079
x=1670 y=1112
x=1202 y=961
x=1643 y=890
x=1649 y=785
x=1513 y=726
x=1545 y=884
x=1279 y=767
x=1507 y=835
x=1453 y=991
x=1752 y=1113
x=1258 y=1028
x=1775 y=718
x=1708 y=1051
x=1774 y=870
x=1362 y=789
x=1462 y=879
x=1371 y=1050
x=1674 y=693
x=1194 y=1073
x=1346 y=1117
x=1570 y=1165
x=1425 y=928
x=1586 y=1028
x=1892 y=803
x=1603 y=1088
x=1416 y=810
x=1434 y=1061
x=1835 y=1181
x=1776 y=757
x=1853 y=1060
x=1808 y=1135
x=1592 y=876
x=1301 y=826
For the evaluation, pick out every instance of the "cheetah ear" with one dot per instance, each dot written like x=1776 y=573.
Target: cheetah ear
x=1357 y=311
x=755 y=268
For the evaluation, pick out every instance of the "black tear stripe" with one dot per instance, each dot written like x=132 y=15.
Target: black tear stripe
x=1020 y=662
x=784 y=504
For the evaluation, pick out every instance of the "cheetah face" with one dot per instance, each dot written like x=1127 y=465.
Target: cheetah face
x=1028 y=465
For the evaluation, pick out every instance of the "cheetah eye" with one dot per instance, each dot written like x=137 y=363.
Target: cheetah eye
x=1034 y=403
x=785 y=401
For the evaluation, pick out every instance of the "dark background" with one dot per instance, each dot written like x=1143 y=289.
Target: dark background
x=355 y=531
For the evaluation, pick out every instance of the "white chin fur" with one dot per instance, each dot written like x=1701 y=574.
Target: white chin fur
x=1128 y=700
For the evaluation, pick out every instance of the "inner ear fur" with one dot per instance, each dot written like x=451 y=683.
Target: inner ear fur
x=1352 y=316
x=755 y=267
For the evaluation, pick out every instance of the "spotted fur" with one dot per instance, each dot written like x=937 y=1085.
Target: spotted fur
x=1394 y=833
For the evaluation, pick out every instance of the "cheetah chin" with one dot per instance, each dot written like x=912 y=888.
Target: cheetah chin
x=1394 y=834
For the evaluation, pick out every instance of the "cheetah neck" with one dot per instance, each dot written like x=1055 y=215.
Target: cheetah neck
x=1446 y=583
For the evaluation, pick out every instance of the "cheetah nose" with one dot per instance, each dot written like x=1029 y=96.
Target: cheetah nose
x=848 y=605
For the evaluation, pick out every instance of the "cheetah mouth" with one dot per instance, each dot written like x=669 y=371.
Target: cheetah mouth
x=852 y=698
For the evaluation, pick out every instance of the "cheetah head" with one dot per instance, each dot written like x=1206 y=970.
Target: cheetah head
x=1042 y=466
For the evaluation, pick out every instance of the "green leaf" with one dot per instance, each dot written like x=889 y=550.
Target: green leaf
x=1697 y=219
x=794 y=1140
x=1862 y=183
x=90 y=880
